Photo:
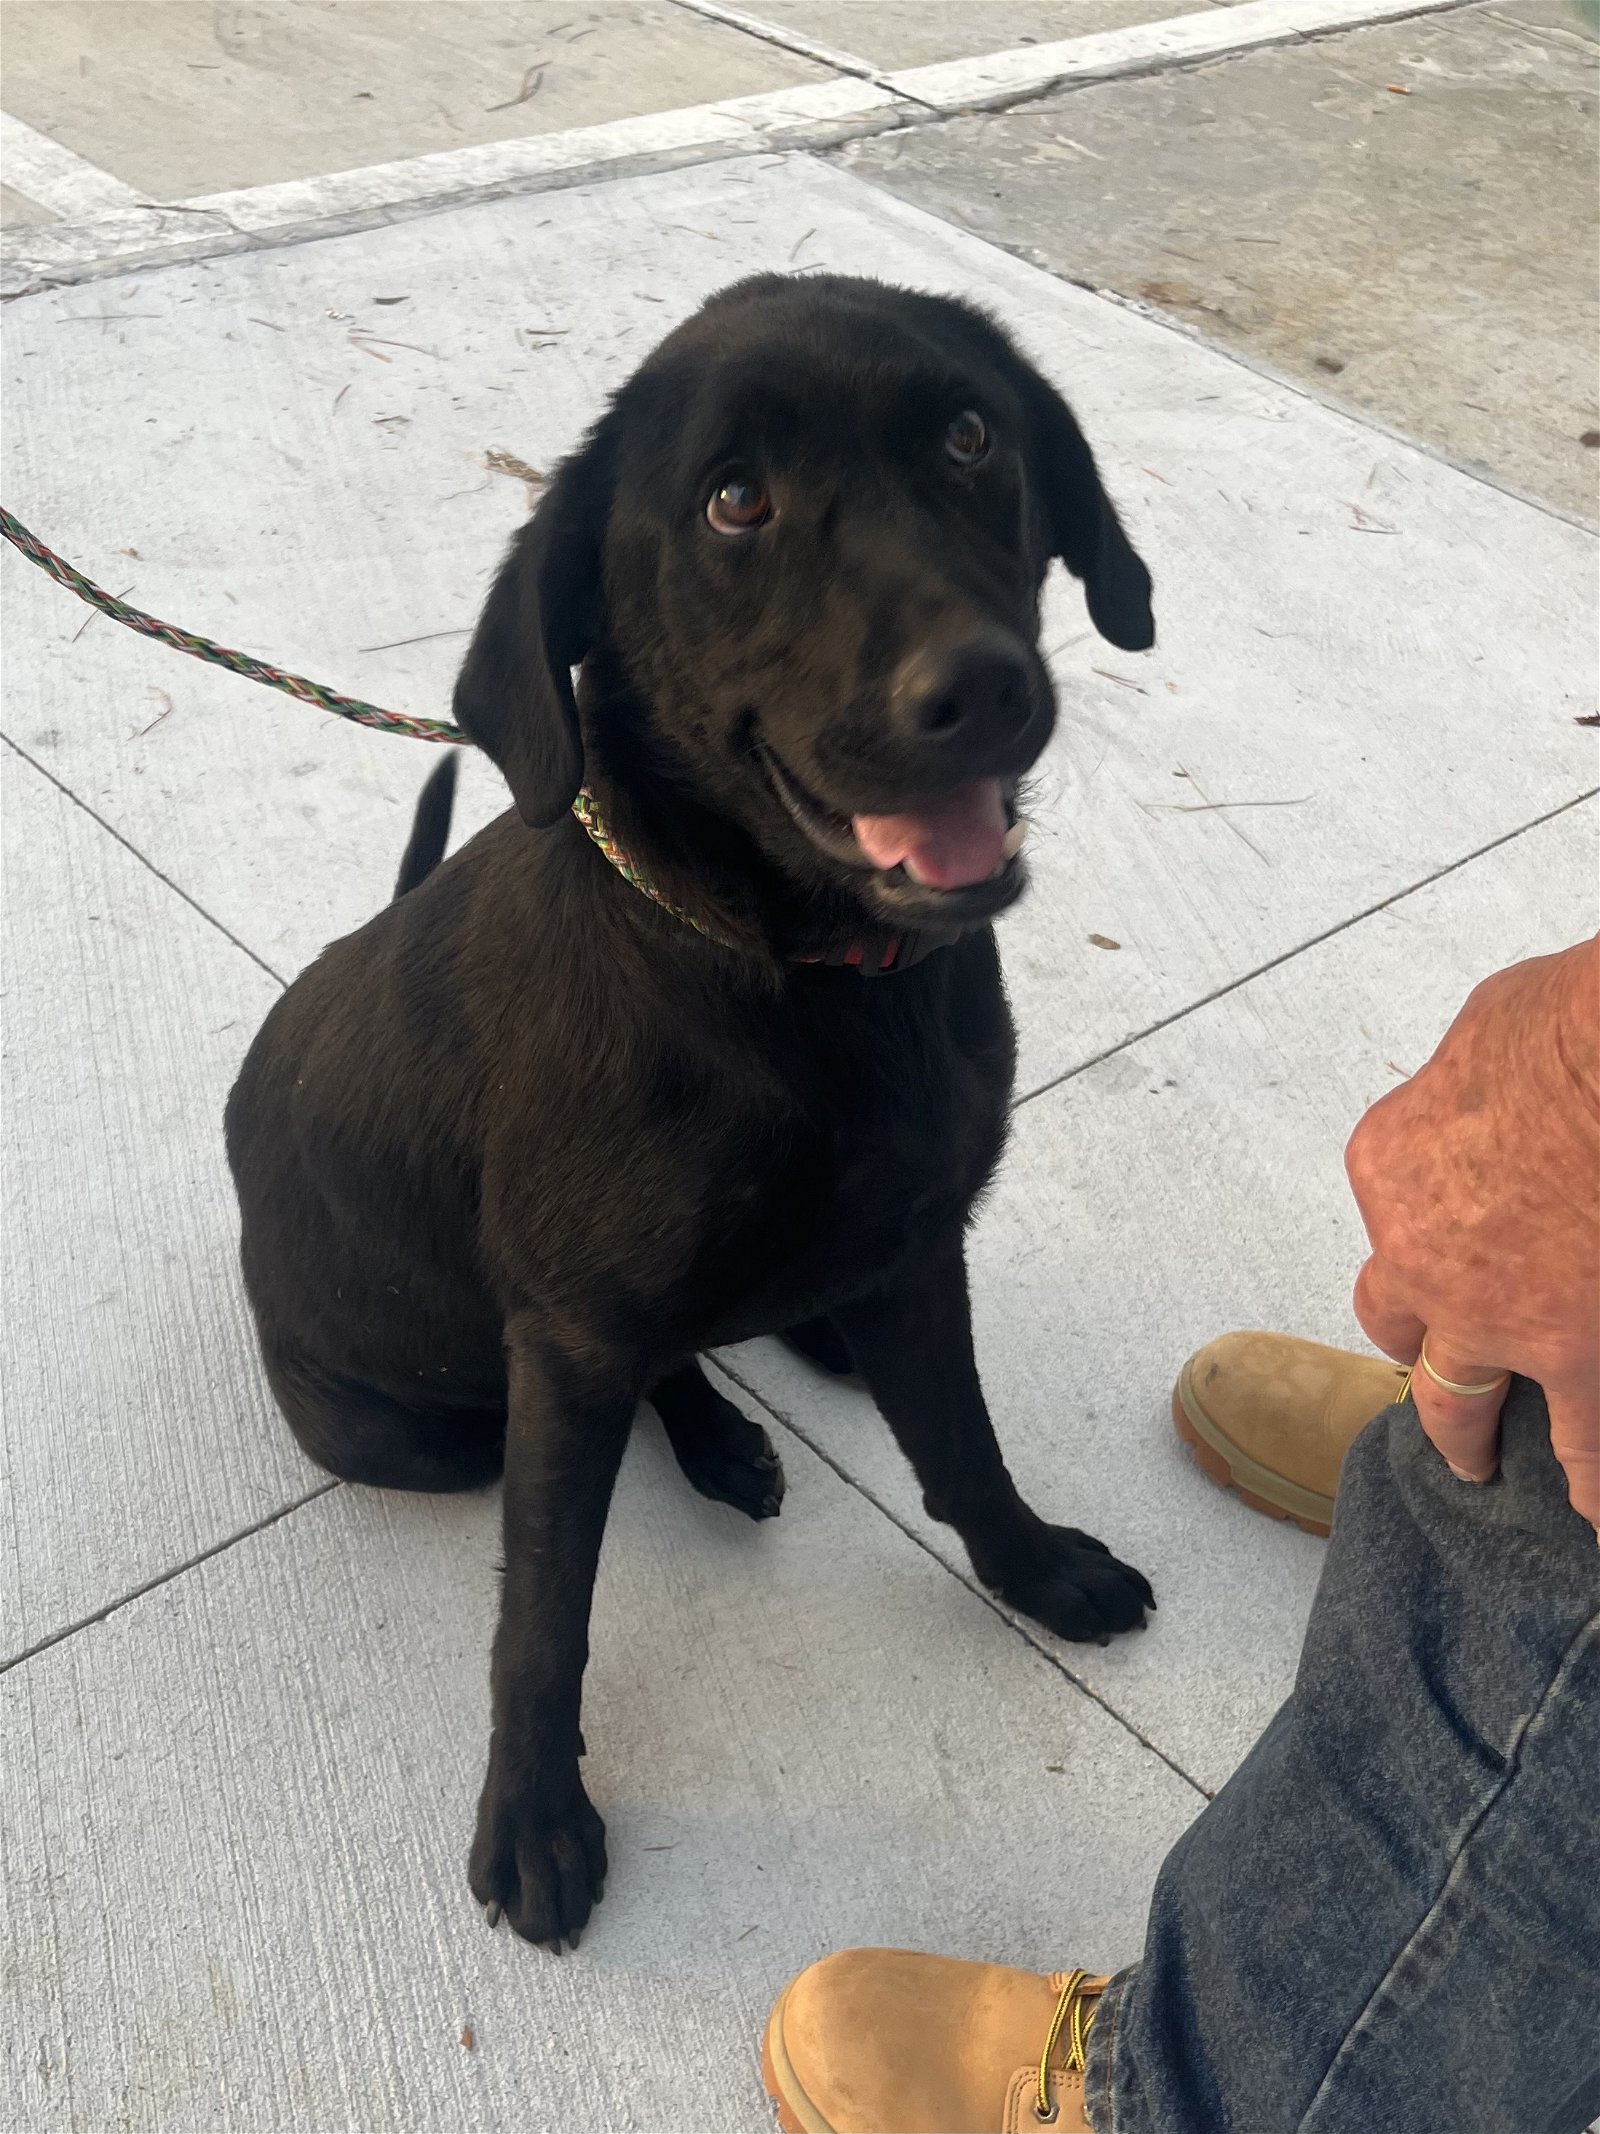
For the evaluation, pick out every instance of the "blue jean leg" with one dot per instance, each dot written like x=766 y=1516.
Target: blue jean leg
x=1388 y=1921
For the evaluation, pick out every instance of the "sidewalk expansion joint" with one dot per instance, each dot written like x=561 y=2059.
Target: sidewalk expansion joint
x=165 y=1578
x=1123 y=1044
x=143 y=858
x=856 y=100
x=1221 y=992
x=1024 y=1630
x=812 y=48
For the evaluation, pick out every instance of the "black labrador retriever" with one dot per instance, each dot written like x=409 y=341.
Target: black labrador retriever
x=708 y=1038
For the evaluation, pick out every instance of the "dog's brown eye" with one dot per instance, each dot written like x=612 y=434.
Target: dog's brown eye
x=739 y=506
x=967 y=438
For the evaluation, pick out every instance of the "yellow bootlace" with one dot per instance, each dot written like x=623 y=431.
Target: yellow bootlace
x=1073 y=2013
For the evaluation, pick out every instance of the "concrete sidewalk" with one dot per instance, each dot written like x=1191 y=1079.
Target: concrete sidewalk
x=1403 y=221
x=245 y=1707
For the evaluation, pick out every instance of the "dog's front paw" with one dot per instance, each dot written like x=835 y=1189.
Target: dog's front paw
x=1074 y=1586
x=542 y=1869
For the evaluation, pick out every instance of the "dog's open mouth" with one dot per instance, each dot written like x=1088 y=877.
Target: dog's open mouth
x=962 y=840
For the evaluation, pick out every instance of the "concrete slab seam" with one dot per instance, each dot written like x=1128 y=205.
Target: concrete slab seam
x=785 y=1421
x=721 y=1365
x=999 y=80
x=165 y=1578
x=1345 y=409
x=143 y=858
x=1341 y=926
x=826 y=55
x=1123 y=1044
x=296 y=211
x=56 y=177
x=818 y=116
x=1542 y=30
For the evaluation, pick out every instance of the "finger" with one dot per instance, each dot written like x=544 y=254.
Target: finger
x=1464 y=1428
x=1386 y=1318
x=1575 y=1440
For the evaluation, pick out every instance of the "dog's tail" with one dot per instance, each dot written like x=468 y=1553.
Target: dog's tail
x=430 y=829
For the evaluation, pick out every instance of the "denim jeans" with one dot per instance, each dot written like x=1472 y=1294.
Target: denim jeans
x=1388 y=1921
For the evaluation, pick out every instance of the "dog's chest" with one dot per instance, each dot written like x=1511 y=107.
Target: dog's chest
x=892 y=1128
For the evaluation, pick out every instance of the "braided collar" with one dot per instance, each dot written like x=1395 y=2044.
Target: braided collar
x=873 y=959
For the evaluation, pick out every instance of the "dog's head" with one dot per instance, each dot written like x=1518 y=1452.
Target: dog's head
x=803 y=552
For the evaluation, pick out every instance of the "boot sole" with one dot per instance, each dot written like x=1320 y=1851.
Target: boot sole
x=796 y=2113
x=1223 y=1462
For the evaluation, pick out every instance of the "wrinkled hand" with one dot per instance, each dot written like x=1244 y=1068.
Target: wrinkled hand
x=1479 y=1183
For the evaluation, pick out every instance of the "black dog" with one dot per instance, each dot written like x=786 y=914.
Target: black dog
x=511 y=1155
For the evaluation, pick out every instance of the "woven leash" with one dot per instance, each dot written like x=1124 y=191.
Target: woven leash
x=254 y=670
x=585 y=807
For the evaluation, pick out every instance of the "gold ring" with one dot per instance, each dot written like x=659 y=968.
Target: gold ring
x=1490 y=1385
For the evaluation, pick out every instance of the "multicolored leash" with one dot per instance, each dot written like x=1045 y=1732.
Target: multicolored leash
x=585 y=807
x=872 y=960
x=254 y=670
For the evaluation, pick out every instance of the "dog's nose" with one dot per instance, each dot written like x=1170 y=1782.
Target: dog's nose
x=979 y=688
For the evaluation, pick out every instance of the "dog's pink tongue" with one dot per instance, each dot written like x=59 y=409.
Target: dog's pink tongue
x=949 y=844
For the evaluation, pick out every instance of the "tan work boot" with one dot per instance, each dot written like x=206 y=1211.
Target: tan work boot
x=1273 y=1417
x=884 y=2041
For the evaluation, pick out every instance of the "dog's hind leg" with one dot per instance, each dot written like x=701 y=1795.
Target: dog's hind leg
x=363 y=1435
x=820 y=1342
x=724 y=1454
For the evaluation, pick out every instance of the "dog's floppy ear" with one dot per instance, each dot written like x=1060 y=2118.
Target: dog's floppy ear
x=1083 y=527
x=514 y=696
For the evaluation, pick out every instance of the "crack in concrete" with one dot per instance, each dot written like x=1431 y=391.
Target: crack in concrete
x=1019 y=1624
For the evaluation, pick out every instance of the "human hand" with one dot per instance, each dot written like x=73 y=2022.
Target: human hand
x=1479 y=1184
